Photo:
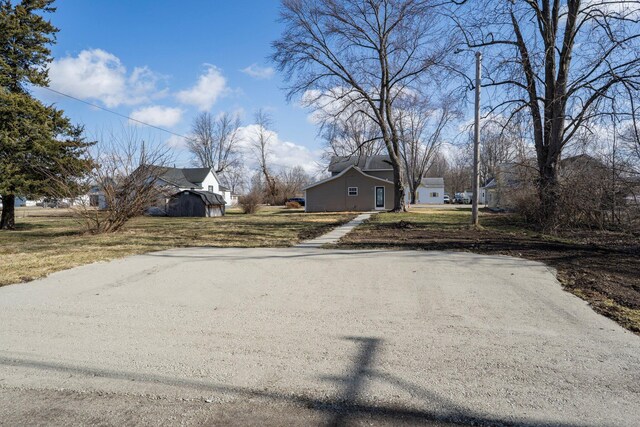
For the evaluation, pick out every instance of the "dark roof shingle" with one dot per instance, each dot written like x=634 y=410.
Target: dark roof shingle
x=207 y=197
x=365 y=163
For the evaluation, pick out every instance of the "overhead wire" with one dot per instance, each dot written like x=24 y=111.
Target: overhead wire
x=118 y=114
x=91 y=104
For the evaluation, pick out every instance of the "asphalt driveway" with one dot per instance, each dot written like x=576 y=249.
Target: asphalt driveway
x=307 y=336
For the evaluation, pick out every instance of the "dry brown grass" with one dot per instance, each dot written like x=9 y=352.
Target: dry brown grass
x=50 y=240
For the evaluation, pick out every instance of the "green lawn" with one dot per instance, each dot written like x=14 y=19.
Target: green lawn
x=48 y=240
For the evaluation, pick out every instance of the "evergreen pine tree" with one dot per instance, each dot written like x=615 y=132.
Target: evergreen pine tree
x=41 y=152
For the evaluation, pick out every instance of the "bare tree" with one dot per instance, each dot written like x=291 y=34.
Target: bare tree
x=214 y=141
x=125 y=182
x=421 y=129
x=500 y=143
x=235 y=178
x=292 y=181
x=353 y=135
x=438 y=167
x=366 y=54
x=558 y=61
x=457 y=176
x=630 y=138
x=261 y=142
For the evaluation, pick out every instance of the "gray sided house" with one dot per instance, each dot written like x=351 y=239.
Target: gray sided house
x=194 y=203
x=357 y=184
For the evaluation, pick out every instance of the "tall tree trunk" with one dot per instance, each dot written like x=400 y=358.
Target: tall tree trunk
x=8 y=219
x=413 y=188
x=548 y=191
x=398 y=189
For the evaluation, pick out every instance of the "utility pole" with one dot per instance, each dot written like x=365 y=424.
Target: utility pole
x=476 y=145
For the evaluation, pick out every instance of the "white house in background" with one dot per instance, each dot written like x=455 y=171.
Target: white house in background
x=193 y=179
x=174 y=180
x=430 y=191
x=235 y=198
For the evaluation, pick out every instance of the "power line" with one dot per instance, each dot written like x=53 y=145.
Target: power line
x=117 y=114
x=130 y=118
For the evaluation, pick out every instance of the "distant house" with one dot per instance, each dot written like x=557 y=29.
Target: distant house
x=94 y=198
x=357 y=183
x=196 y=203
x=511 y=181
x=192 y=179
x=175 y=180
x=430 y=191
x=235 y=198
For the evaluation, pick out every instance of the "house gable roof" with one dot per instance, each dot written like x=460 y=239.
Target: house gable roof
x=196 y=175
x=315 y=184
x=179 y=177
x=432 y=182
x=365 y=163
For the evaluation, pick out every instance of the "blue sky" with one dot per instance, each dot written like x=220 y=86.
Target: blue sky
x=164 y=61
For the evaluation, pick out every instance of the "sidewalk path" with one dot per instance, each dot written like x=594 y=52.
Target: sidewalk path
x=336 y=234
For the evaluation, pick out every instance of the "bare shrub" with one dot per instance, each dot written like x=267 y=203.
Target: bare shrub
x=292 y=205
x=250 y=203
x=591 y=194
x=125 y=182
x=526 y=203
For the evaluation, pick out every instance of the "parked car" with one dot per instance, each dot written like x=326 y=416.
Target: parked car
x=462 y=199
x=447 y=199
x=299 y=200
x=53 y=203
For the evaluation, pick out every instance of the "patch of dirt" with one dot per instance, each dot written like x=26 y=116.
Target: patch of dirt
x=600 y=267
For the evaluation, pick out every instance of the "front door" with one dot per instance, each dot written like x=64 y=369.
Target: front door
x=379 y=197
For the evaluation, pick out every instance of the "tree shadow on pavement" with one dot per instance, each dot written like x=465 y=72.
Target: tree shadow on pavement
x=346 y=408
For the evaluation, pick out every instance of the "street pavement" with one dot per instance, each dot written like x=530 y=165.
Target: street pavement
x=304 y=336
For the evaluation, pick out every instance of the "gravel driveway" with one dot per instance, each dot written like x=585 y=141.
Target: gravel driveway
x=307 y=336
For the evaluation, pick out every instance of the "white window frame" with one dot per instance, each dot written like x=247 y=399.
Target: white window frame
x=210 y=189
x=434 y=194
x=349 y=191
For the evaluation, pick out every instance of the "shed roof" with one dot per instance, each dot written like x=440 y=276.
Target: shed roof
x=207 y=197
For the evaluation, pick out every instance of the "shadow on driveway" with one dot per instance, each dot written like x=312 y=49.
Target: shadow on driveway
x=344 y=409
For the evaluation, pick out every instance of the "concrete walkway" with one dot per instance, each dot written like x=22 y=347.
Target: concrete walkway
x=336 y=234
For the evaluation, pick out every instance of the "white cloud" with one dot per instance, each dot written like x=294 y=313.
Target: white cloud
x=99 y=75
x=258 y=72
x=157 y=115
x=210 y=86
x=282 y=154
x=177 y=142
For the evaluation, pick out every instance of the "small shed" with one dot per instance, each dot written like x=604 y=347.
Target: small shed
x=431 y=191
x=195 y=203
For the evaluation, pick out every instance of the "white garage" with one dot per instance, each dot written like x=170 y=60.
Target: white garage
x=431 y=191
